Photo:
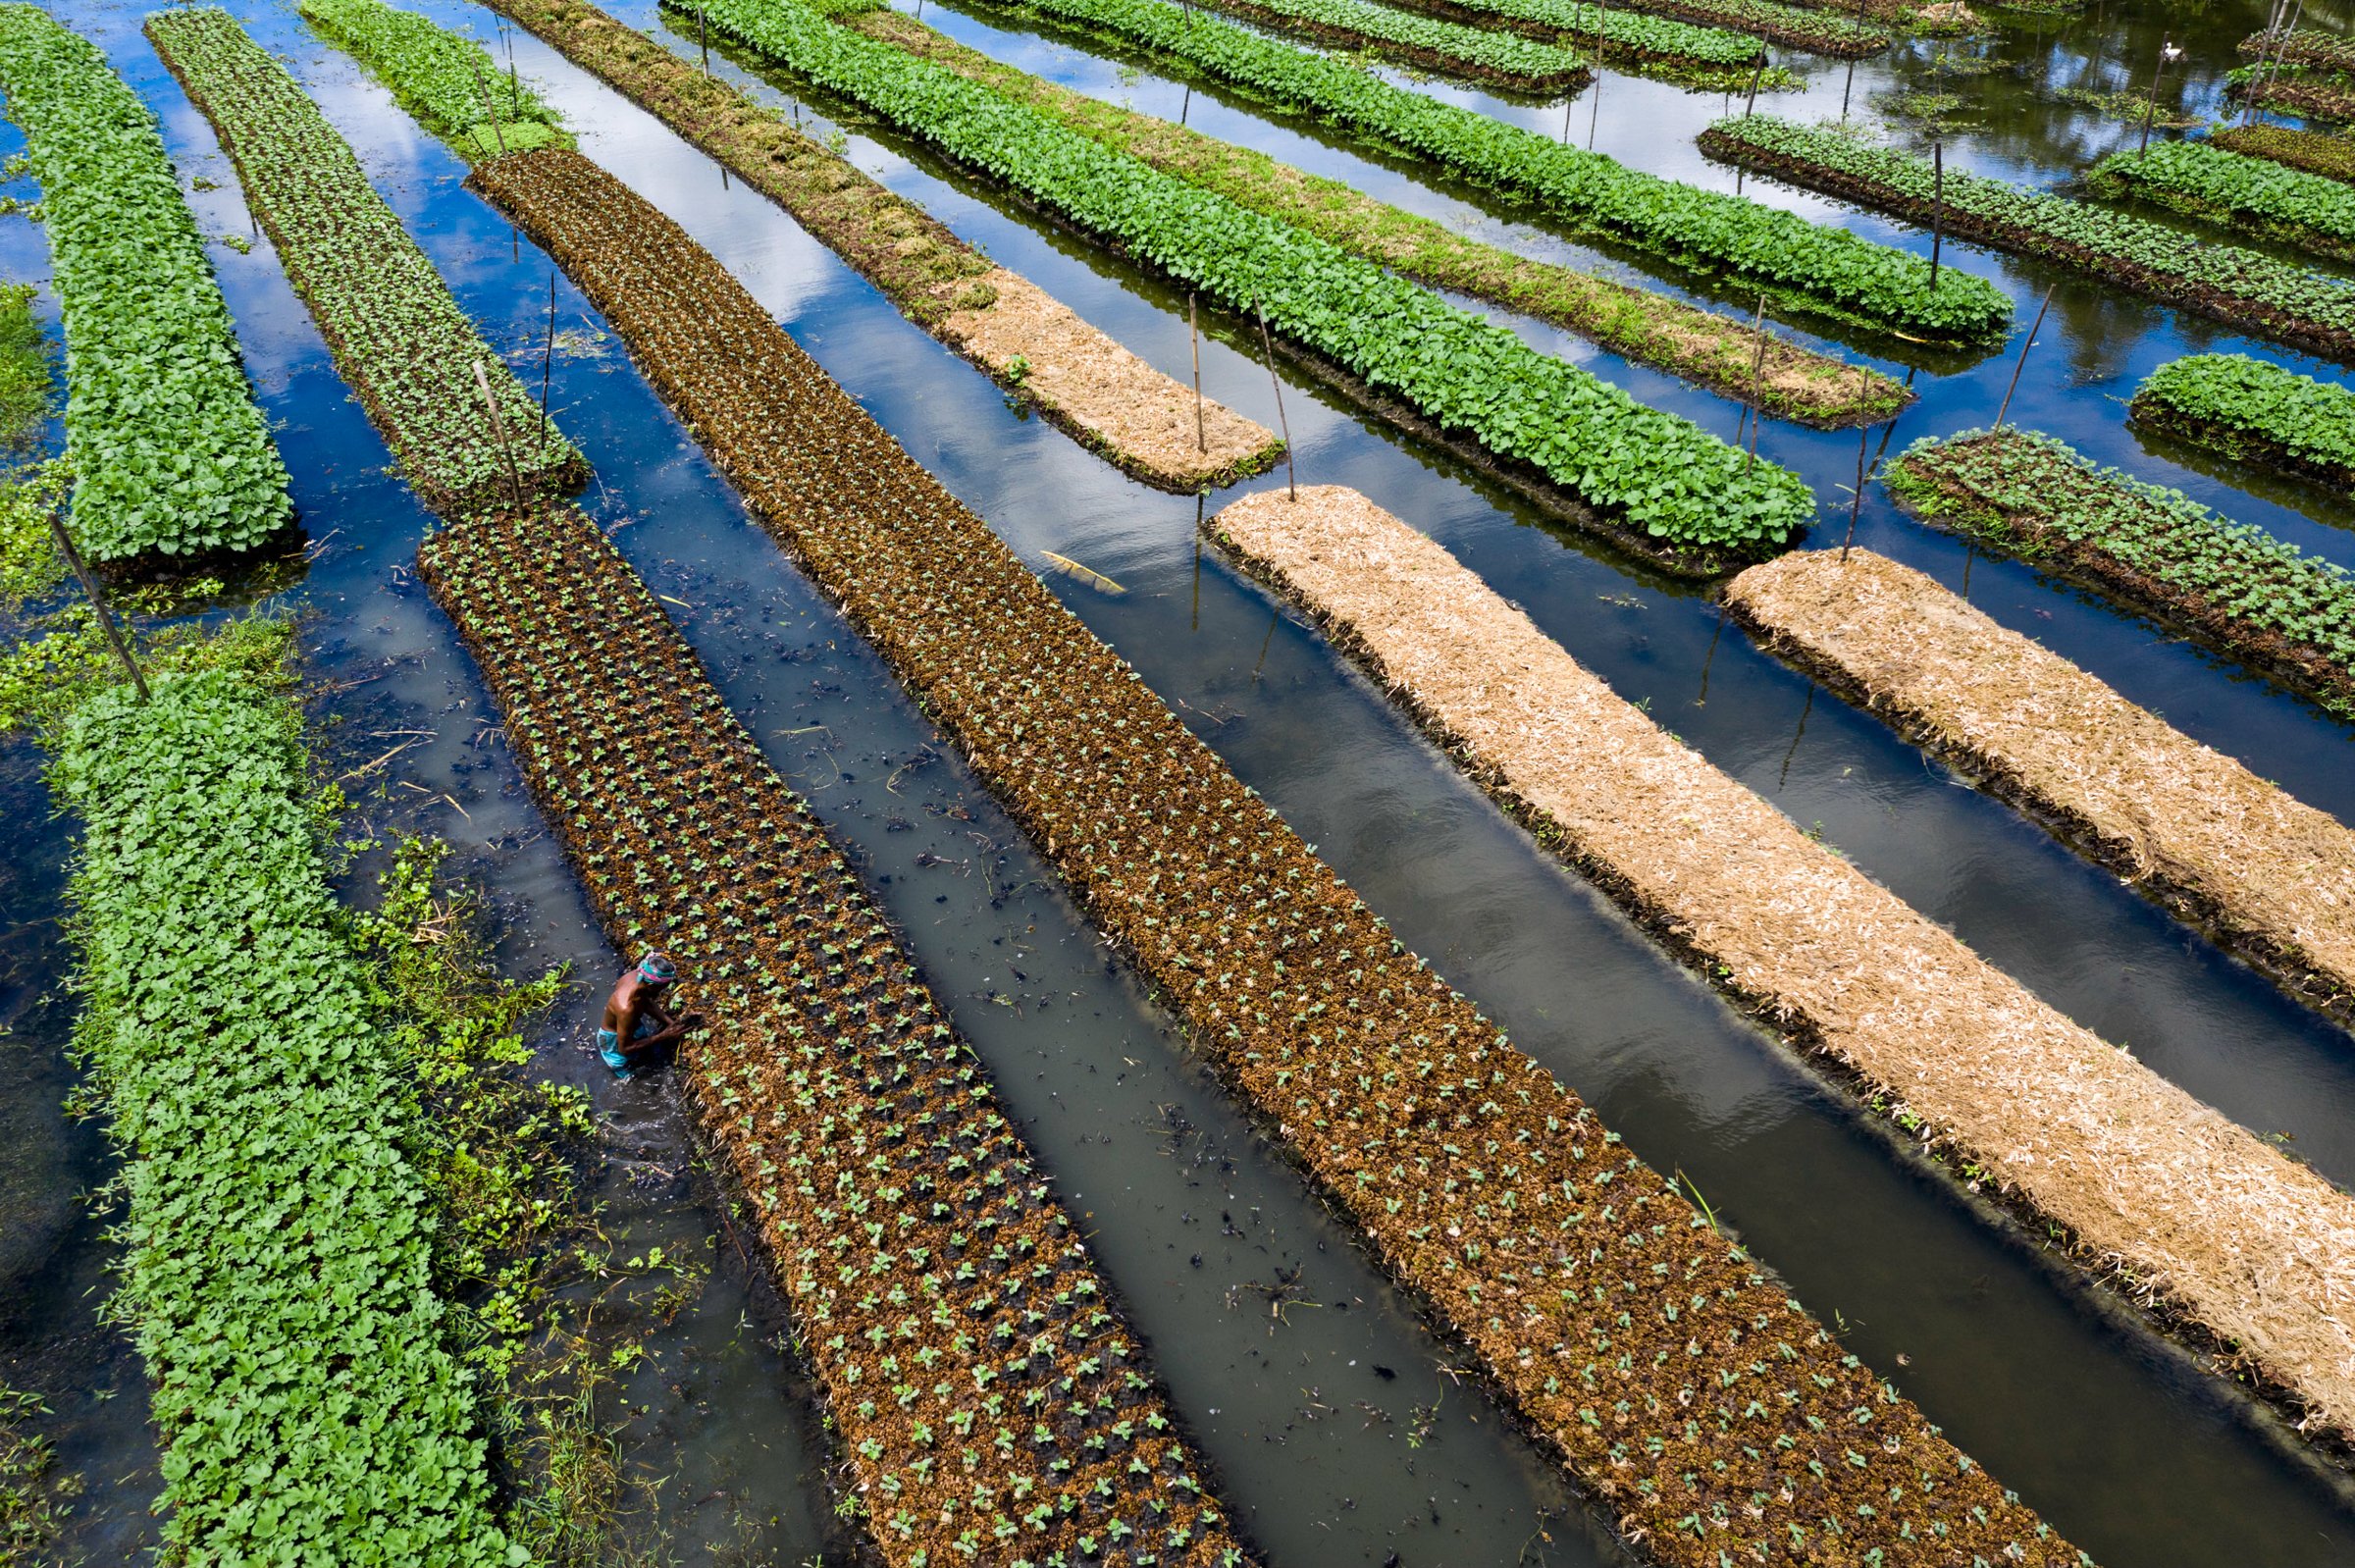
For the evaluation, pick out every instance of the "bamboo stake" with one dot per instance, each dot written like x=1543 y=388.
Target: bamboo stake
x=702 y=38
x=1937 y=207
x=1603 y=13
x=1193 y=329
x=1268 y=346
x=482 y=92
x=498 y=427
x=2024 y=357
x=1752 y=106
x=1757 y=363
x=89 y=589
x=1855 y=501
x=548 y=360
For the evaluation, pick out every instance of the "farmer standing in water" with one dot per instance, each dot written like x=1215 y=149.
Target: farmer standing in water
x=637 y=1024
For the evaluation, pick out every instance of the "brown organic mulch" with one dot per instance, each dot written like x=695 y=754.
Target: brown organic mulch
x=1708 y=1414
x=1080 y=379
x=2270 y=876
x=2199 y=1213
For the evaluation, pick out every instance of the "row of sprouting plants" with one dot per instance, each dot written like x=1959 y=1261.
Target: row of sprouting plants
x=1607 y=1308
x=990 y=1399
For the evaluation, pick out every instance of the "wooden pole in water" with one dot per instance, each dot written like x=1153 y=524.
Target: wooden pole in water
x=482 y=92
x=89 y=589
x=1751 y=107
x=1937 y=208
x=702 y=38
x=498 y=427
x=2024 y=357
x=1266 y=345
x=1193 y=331
x=1856 y=503
x=548 y=360
x=1757 y=363
x=1602 y=13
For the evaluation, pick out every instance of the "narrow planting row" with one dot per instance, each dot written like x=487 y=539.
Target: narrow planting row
x=1749 y=249
x=2157 y=551
x=2332 y=157
x=1656 y=481
x=2325 y=95
x=2254 y=292
x=1719 y=352
x=277 y=1244
x=2255 y=412
x=1710 y=1414
x=1504 y=59
x=1573 y=21
x=1628 y=38
x=397 y=335
x=2248 y=193
x=2149 y=1183
x=2302 y=46
x=453 y=86
x=1081 y=381
x=2228 y=851
x=992 y=1402
x=170 y=456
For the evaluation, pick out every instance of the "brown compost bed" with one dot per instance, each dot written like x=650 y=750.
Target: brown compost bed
x=2149 y=1183
x=2269 y=876
x=1710 y=1417
x=988 y=1396
x=1724 y=355
x=1078 y=379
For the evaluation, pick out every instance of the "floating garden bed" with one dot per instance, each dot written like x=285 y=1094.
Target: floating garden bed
x=1572 y=23
x=2256 y=413
x=2332 y=157
x=2257 y=293
x=453 y=86
x=2291 y=89
x=1507 y=60
x=277 y=1262
x=397 y=335
x=1716 y=351
x=2302 y=46
x=2149 y=1183
x=1745 y=246
x=1656 y=481
x=2248 y=193
x=2268 y=876
x=2159 y=552
x=1668 y=1371
x=1628 y=38
x=171 y=457
x=990 y=1397
x=1078 y=379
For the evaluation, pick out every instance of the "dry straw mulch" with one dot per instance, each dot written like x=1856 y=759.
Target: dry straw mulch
x=2200 y=1214
x=2272 y=876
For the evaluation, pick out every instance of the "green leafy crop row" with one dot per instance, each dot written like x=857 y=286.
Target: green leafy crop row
x=2155 y=550
x=450 y=83
x=1573 y=21
x=2311 y=91
x=2249 y=410
x=170 y=455
x=2253 y=291
x=397 y=335
x=1742 y=245
x=1627 y=34
x=1425 y=41
x=2302 y=46
x=277 y=1242
x=2311 y=150
x=2251 y=193
x=1666 y=477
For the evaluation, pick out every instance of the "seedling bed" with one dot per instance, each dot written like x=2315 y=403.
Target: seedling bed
x=1097 y=393
x=1519 y=64
x=2163 y=555
x=2254 y=412
x=2332 y=157
x=278 y=1240
x=2247 y=193
x=171 y=457
x=1571 y=23
x=1746 y=247
x=398 y=337
x=1699 y=345
x=2195 y=831
x=453 y=86
x=1658 y=474
x=2144 y=1179
x=1706 y=1411
x=2255 y=292
x=2312 y=94
x=988 y=1394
